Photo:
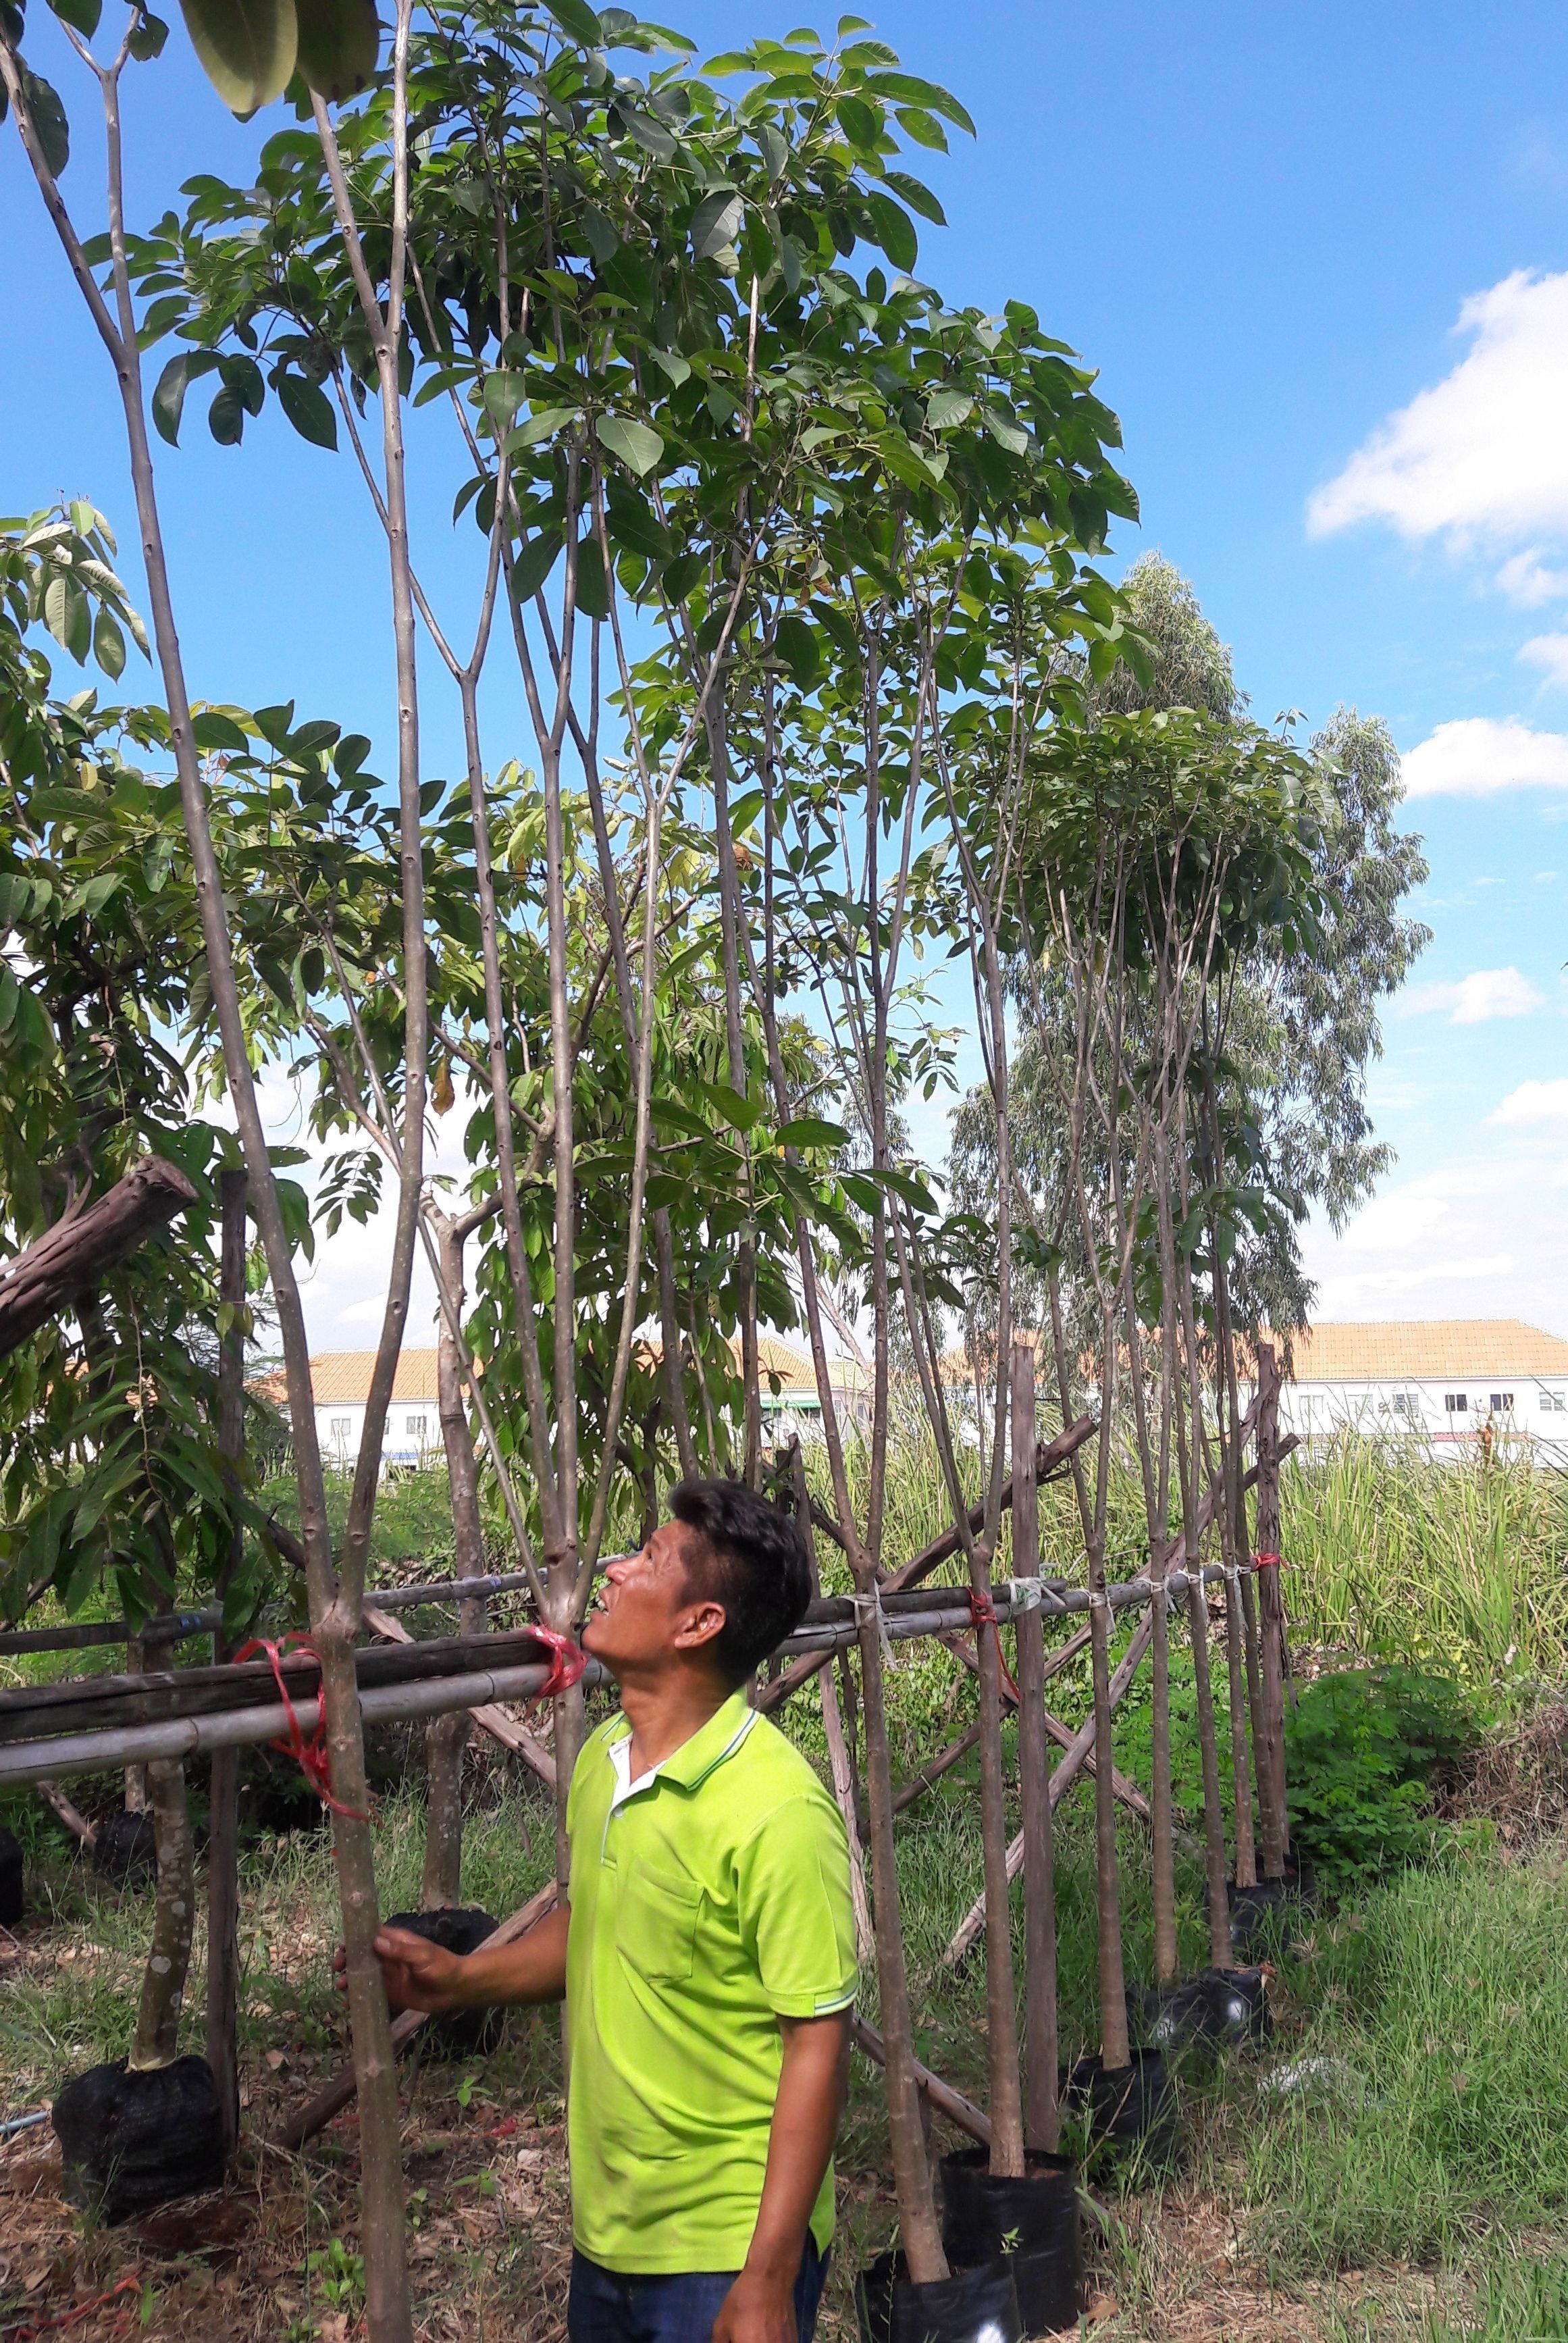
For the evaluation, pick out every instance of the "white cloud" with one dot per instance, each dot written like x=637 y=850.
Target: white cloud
x=1478 y=756
x=1483 y=453
x=1476 y=1000
x=1483 y=1237
x=1550 y=653
x=1532 y=1105
x=1526 y=580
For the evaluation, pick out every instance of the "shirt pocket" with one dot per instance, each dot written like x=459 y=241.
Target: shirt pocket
x=655 y=1923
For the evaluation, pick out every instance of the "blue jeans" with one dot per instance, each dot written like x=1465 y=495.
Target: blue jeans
x=607 y=2308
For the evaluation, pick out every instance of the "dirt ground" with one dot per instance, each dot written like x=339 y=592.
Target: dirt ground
x=272 y=2258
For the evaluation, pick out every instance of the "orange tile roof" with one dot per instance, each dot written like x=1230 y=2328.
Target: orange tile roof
x=342 y=1378
x=1432 y=1350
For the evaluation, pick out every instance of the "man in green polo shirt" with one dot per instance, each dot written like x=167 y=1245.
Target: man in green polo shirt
x=708 y=1958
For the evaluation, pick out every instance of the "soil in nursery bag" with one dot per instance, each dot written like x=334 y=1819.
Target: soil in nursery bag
x=1125 y=2111
x=1219 y=2007
x=131 y=2141
x=463 y=2033
x=125 y=1852
x=1261 y=1915
x=1032 y=2222
x=12 y=1902
x=975 y=2306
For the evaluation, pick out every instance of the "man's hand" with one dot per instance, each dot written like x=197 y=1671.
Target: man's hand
x=417 y=1974
x=759 y=2307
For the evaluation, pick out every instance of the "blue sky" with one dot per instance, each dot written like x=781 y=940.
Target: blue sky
x=1321 y=258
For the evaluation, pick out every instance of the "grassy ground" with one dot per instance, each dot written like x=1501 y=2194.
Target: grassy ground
x=1393 y=2162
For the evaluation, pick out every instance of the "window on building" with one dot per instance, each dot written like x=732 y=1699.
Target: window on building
x=1553 y=1402
x=1406 y=1403
x=1456 y=1403
x=1501 y=1402
x=343 y=1427
x=415 y=1424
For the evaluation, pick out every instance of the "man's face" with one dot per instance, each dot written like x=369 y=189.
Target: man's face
x=645 y=1612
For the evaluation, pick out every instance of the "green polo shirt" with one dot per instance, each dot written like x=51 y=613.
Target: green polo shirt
x=707 y=1906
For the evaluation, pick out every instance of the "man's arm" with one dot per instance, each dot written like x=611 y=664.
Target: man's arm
x=422 y=1975
x=760 y=2305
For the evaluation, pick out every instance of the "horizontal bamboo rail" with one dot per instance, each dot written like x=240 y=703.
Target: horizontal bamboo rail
x=191 y=1737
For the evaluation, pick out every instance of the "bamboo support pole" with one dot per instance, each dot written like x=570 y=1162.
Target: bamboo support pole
x=189 y=1736
x=937 y=2095
x=838 y=1765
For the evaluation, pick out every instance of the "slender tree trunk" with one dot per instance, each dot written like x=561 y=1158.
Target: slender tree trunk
x=1272 y=1745
x=1114 y=2045
x=223 y=1822
x=157 y=2040
x=446 y=1737
x=1042 y=2117
x=838 y=1764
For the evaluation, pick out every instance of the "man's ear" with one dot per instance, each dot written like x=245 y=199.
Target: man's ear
x=700 y=1623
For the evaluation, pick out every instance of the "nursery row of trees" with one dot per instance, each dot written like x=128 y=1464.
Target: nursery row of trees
x=795 y=564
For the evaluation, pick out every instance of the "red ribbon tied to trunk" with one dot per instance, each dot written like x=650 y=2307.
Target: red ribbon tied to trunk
x=310 y=1757
x=1267 y=1562
x=566 y=1668
x=982 y=1612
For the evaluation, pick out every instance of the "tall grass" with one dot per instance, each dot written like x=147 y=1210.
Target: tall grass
x=1430 y=2103
x=1396 y=1555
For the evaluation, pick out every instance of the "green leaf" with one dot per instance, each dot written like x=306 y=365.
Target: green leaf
x=575 y=18
x=146 y=39
x=909 y=90
x=339 y=47
x=862 y=123
x=797 y=645
x=716 y=222
x=740 y=1113
x=647 y=131
x=169 y=398
x=810 y=1131
x=247 y=48
x=82 y=15
x=109 y=645
x=945 y=408
x=638 y=445
x=309 y=410
x=48 y=121
x=683 y=574
x=922 y=127
x=226 y=417
x=67 y=614
x=593 y=587
x=894 y=230
x=503 y=393
x=917 y=194
x=212 y=730
x=634 y=525
x=535 y=562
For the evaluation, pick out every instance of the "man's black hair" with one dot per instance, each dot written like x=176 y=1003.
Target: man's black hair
x=751 y=1559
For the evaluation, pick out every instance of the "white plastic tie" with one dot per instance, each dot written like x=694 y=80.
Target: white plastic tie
x=1024 y=1595
x=869 y=1606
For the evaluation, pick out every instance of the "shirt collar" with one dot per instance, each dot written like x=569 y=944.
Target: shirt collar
x=708 y=1747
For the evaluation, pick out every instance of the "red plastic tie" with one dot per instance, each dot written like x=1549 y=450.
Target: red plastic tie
x=34 y=2329
x=982 y=1613
x=566 y=1668
x=1267 y=1562
x=310 y=1757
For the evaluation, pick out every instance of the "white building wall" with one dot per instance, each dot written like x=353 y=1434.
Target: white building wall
x=1449 y=1416
x=413 y=1433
